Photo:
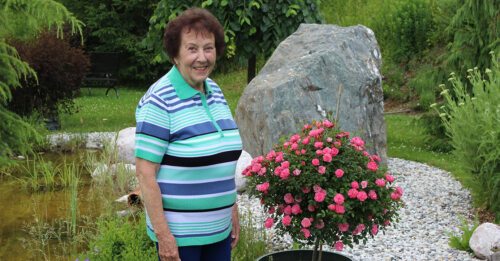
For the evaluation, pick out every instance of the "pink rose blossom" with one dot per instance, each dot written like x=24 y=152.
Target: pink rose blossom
x=305 y=223
x=287 y=220
x=374 y=229
x=352 y=193
x=339 y=173
x=317 y=188
x=296 y=209
x=332 y=207
x=262 y=171
x=366 y=154
x=338 y=198
x=372 y=194
x=256 y=167
x=320 y=196
x=328 y=124
x=399 y=190
x=318 y=145
x=296 y=172
x=305 y=141
x=375 y=158
x=321 y=169
x=271 y=210
x=339 y=245
x=306 y=190
x=307 y=127
x=285 y=164
x=362 y=196
x=286 y=144
x=389 y=178
x=311 y=208
x=335 y=151
x=339 y=209
x=303 y=151
x=288 y=198
x=372 y=165
x=285 y=173
x=387 y=223
x=337 y=144
x=354 y=185
x=269 y=222
x=306 y=232
x=319 y=152
x=287 y=210
x=327 y=157
x=271 y=155
x=279 y=158
x=263 y=187
x=329 y=139
x=364 y=183
x=380 y=182
x=343 y=227
x=277 y=171
x=357 y=142
x=395 y=196
x=315 y=162
x=295 y=138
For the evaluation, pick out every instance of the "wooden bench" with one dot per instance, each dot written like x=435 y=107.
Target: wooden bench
x=103 y=71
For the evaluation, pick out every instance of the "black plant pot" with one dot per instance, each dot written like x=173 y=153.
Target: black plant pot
x=302 y=255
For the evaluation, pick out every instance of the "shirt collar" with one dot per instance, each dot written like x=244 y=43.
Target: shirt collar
x=182 y=88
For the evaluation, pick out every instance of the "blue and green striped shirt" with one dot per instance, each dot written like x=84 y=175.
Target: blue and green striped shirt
x=195 y=139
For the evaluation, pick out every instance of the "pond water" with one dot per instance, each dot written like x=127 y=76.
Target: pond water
x=30 y=220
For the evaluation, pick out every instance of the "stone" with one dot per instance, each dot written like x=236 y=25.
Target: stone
x=125 y=143
x=485 y=241
x=244 y=160
x=317 y=71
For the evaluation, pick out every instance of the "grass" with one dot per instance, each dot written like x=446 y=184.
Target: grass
x=98 y=112
x=406 y=139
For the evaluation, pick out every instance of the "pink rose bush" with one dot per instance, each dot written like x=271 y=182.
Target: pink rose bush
x=322 y=184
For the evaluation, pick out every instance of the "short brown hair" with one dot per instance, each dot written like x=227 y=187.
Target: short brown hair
x=197 y=19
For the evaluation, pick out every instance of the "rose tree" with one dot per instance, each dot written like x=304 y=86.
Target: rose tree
x=321 y=186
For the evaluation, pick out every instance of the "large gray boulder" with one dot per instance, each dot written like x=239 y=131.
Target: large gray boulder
x=125 y=145
x=485 y=241
x=319 y=69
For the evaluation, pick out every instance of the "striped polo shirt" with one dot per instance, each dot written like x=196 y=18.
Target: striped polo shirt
x=195 y=139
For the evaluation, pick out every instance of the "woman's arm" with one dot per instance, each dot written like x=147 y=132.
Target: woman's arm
x=235 y=231
x=146 y=174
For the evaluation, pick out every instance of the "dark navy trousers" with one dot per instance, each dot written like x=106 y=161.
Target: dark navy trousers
x=219 y=251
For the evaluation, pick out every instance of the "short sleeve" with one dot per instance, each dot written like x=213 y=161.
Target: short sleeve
x=153 y=129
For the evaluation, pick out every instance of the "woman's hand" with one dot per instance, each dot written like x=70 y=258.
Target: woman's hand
x=167 y=249
x=235 y=231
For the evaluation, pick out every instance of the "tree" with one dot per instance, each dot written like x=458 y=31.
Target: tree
x=251 y=28
x=23 y=19
x=475 y=32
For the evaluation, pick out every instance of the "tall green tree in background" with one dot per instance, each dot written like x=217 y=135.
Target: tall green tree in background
x=474 y=32
x=251 y=28
x=23 y=19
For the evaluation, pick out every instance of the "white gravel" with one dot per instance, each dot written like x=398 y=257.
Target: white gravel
x=434 y=202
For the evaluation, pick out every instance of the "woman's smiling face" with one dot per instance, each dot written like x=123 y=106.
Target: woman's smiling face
x=196 y=58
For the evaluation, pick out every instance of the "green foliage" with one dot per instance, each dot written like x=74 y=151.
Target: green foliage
x=60 y=70
x=424 y=85
x=21 y=19
x=461 y=241
x=437 y=140
x=475 y=30
x=119 y=26
x=252 y=242
x=471 y=120
x=119 y=238
x=250 y=27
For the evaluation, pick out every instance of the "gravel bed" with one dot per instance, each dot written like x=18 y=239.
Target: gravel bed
x=434 y=202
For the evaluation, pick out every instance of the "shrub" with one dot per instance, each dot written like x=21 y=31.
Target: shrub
x=252 y=242
x=471 y=119
x=119 y=238
x=424 y=85
x=437 y=140
x=322 y=186
x=60 y=69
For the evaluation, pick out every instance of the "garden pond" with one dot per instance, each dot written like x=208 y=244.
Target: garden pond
x=46 y=222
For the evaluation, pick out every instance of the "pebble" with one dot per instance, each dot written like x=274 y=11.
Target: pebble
x=434 y=202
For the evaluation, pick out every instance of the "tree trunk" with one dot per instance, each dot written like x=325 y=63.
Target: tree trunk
x=252 y=64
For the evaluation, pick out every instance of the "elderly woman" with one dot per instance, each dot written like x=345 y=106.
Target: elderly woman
x=187 y=146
